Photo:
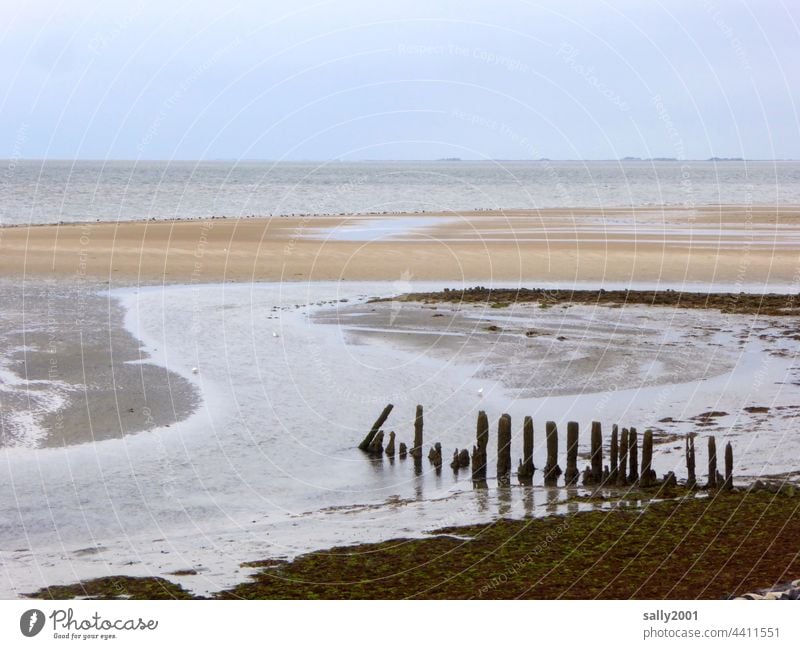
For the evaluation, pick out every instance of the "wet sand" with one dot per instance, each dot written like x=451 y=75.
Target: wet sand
x=712 y=244
x=73 y=374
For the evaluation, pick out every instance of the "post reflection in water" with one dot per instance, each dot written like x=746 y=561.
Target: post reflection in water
x=503 y=500
x=527 y=501
x=482 y=498
x=572 y=503
x=553 y=498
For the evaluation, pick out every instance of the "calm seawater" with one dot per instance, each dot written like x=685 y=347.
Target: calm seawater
x=52 y=191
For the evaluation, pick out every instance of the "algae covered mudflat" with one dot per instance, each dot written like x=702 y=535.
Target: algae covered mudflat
x=689 y=548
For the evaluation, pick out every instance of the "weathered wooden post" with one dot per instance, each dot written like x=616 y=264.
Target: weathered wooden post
x=402 y=450
x=463 y=459
x=376 y=445
x=622 y=472
x=390 y=445
x=691 y=480
x=364 y=445
x=479 y=451
x=612 y=476
x=551 y=469
x=647 y=459
x=416 y=450
x=526 y=468
x=597 y=453
x=728 y=466
x=633 y=455
x=712 y=463
x=435 y=455
x=571 y=474
x=504 y=450
x=614 y=452
x=454 y=462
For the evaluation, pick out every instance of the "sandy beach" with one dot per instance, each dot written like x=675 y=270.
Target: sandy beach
x=744 y=244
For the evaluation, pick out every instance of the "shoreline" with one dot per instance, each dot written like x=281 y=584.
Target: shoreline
x=615 y=553
x=473 y=212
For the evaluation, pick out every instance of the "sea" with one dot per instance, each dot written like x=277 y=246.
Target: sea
x=53 y=191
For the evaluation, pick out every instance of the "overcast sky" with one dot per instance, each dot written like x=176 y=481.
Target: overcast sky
x=400 y=80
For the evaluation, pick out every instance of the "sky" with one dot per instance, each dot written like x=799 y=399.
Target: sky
x=354 y=79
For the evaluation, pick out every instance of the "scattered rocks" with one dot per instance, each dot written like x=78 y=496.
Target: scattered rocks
x=756 y=409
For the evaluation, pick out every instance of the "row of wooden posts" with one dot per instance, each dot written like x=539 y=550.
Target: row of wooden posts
x=623 y=468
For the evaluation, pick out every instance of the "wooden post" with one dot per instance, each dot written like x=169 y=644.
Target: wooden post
x=712 y=463
x=597 y=453
x=571 y=474
x=612 y=476
x=526 y=468
x=622 y=473
x=454 y=462
x=728 y=466
x=647 y=459
x=402 y=450
x=504 y=450
x=633 y=455
x=376 y=445
x=479 y=451
x=551 y=469
x=364 y=445
x=691 y=480
x=435 y=455
x=416 y=450
x=390 y=445
x=463 y=458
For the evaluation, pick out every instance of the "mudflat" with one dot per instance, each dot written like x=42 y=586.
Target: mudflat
x=72 y=373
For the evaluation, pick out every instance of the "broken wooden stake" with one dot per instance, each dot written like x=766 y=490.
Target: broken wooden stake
x=646 y=479
x=597 y=453
x=712 y=463
x=622 y=472
x=551 y=469
x=691 y=480
x=416 y=449
x=364 y=445
x=526 y=468
x=633 y=456
x=728 y=466
x=479 y=451
x=504 y=449
x=390 y=445
x=571 y=474
x=435 y=455
x=376 y=445
x=612 y=476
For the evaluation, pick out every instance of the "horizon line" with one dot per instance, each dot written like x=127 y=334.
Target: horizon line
x=447 y=159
